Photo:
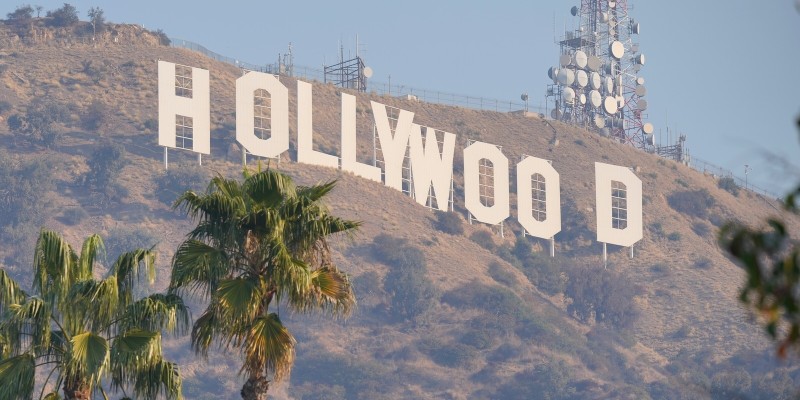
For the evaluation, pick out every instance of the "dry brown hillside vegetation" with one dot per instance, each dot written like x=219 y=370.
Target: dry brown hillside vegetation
x=447 y=310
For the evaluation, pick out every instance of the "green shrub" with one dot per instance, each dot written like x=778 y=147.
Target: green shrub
x=452 y=355
x=74 y=215
x=449 y=222
x=178 y=179
x=95 y=116
x=695 y=203
x=62 y=17
x=674 y=236
x=728 y=184
x=412 y=294
x=602 y=296
x=105 y=165
x=484 y=239
x=501 y=274
x=5 y=106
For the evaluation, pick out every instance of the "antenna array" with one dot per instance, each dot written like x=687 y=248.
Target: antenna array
x=596 y=83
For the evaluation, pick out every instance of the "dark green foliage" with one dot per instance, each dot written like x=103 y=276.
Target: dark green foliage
x=163 y=39
x=151 y=124
x=96 y=19
x=74 y=215
x=728 y=184
x=501 y=274
x=95 y=117
x=703 y=263
x=38 y=125
x=124 y=238
x=23 y=189
x=178 y=179
x=105 y=165
x=21 y=13
x=701 y=229
x=484 y=239
x=449 y=222
x=602 y=296
x=477 y=338
x=550 y=381
x=412 y=293
x=361 y=380
x=63 y=17
x=452 y=355
x=694 y=203
x=674 y=236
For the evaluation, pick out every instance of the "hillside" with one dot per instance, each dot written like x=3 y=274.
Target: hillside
x=494 y=317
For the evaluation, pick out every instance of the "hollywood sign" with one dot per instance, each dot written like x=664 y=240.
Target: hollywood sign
x=186 y=95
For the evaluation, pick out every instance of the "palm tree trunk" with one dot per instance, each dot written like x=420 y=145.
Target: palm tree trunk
x=255 y=388
x=76 y=389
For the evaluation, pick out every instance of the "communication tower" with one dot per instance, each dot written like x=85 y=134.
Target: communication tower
x=596 y=83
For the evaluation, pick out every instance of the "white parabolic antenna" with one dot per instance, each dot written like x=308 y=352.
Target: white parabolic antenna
x=610 y=105
x=594 y=63
x=640 y=80
x=595 y=81
x=581 y=59
x=564 y=60
x=639 y=59
x=582 y=99
x=566 y=77
x=648 y=128
x=595 y=99
x=609 y=84
x=641 y=90
x=367 y=72
x=568 y=95
x=599 y=121
x=581 y=78
x=617 y=49
x=641 y=104
x=620 y=101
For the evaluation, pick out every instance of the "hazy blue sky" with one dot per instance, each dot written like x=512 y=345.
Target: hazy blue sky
x=726 y=73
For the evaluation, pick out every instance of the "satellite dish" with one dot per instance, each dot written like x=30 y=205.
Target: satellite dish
x=640 y=81
x=620 y=101
x=641 y=104
x=594 y=63
x=582 y=99
x=556 y=71
x=580 y=59
x=648 y=128
x=595 y=99
x=609 y=84
x=641 y=90
x=565 y=60
x=568 y=95
x=595 y=81
x=524 y=97
x=610 y=105
x=635 y=28
x=566 y=77
x=649 y=139
x=574 y=11
x=612 y=4
x=635 y=48
x=367 y=72
x=617 y=49
x=639 y=59
x=581 y=78
x=599 y=121
x=551 y=74
x=555 y=114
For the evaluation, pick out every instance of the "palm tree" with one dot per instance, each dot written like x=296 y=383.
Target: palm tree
x=258 y=243
x=86 y=332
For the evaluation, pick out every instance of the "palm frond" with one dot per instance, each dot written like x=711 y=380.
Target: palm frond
x=269 y=345
x=10 y=292
x=240 y=300
x=198 y=267
x=155 y=313
x=132 y=352
x=160 y=379
x=93 y=303
x=88 y=357
x=26 y=326
x=17 y=377
x=52 y=264
x=205 y=329
x=269 y=188
x=128 y=267
x=92 y=248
